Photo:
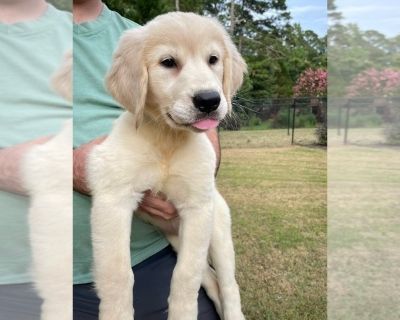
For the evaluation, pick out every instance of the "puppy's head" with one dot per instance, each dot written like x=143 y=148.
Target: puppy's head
x=183 y=67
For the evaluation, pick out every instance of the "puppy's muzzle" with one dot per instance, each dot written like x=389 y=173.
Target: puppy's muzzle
x=206 y=101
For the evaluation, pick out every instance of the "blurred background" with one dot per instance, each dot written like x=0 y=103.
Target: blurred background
x=363 y=159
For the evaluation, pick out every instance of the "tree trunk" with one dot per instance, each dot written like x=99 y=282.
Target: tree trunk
x=177 y=5
x=232 y=26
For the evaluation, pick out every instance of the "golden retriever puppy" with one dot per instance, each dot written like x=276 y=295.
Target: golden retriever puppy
x=47 y=176
x=176 y=77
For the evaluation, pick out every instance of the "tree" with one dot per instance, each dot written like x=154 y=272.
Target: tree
x=275 y=50
x=62 y=4
x=140 y=11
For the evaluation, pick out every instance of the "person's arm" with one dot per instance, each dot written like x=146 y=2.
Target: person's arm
x=10 y=165
x=79 y=165
x=213 y=136
x=153 y=204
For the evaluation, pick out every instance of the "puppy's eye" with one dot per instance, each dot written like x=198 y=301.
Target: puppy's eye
x=213 y=60
x=169 y=63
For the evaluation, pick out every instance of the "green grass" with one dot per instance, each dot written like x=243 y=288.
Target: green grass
x=266 y=138
x=364 y=229
x=277 y=195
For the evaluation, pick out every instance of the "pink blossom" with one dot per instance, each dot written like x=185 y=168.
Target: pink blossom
x=311 y=82
x=373 y=82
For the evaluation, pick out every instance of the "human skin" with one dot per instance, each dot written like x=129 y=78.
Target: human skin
x=13 y=11
x=10 y=165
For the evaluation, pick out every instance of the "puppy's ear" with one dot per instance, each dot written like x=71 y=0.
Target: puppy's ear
x=234 y=69
x=61 y=81
x=127 y=78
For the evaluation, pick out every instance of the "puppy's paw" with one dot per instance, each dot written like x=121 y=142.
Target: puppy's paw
x=112 y=313
x=56 y=314
x=233 y=315
x=182 y=311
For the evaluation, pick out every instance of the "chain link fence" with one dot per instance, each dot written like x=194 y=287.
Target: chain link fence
x=287 y=114
x=364 y=120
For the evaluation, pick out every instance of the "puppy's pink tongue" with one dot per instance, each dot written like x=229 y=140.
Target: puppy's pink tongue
x=205 y=124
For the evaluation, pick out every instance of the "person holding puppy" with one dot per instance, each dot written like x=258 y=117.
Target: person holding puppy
x=97 y=30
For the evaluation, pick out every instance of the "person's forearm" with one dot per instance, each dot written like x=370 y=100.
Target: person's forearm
x=79 y=172
x=10 y=165
x=79 y=165
x=213 y=136
x=9 y=172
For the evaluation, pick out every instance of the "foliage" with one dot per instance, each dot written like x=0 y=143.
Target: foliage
x=377 y=83
x=322 y=133
x=353 y=51
x=392 y=131
x=140 y=11
x=312 y=82
x=275 y=50
x=62 y=4
x=364 y=63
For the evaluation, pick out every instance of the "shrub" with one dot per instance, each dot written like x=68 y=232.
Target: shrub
x=311 y=83
x=375 y=83
x=322 y=133
x=381 y=84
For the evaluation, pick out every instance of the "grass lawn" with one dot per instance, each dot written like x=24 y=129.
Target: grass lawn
x=364 y=228
x=266 y=138
x=277 y=195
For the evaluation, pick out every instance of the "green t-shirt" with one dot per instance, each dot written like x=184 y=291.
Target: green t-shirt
x=30 y=53
x=94 y=112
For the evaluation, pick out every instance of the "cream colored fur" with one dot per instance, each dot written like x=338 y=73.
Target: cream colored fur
x=47 y=176
x=152 y=146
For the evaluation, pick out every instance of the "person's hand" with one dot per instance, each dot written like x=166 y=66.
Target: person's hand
x=80 y=157
x=157 y=205
x=10 y=165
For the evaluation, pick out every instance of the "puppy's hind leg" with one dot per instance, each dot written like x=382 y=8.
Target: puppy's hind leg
x=223 y=258
x=210 y=284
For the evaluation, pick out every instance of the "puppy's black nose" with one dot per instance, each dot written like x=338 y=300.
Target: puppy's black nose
x=206 y=101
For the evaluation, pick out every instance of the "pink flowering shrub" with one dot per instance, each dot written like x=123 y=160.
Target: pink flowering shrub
x=373 y=82
x=380 y=83
x=311 y=83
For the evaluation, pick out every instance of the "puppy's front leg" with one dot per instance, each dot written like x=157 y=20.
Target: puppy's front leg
x=194 y=237
x=111 y=228
x=223 y=259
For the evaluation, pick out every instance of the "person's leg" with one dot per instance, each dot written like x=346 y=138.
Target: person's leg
x=19 y=302
x=150 y=293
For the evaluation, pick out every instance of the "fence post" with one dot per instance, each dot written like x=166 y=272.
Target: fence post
x=288 y=120
x=339 y=120
x=294 y=119
x=346 y=125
